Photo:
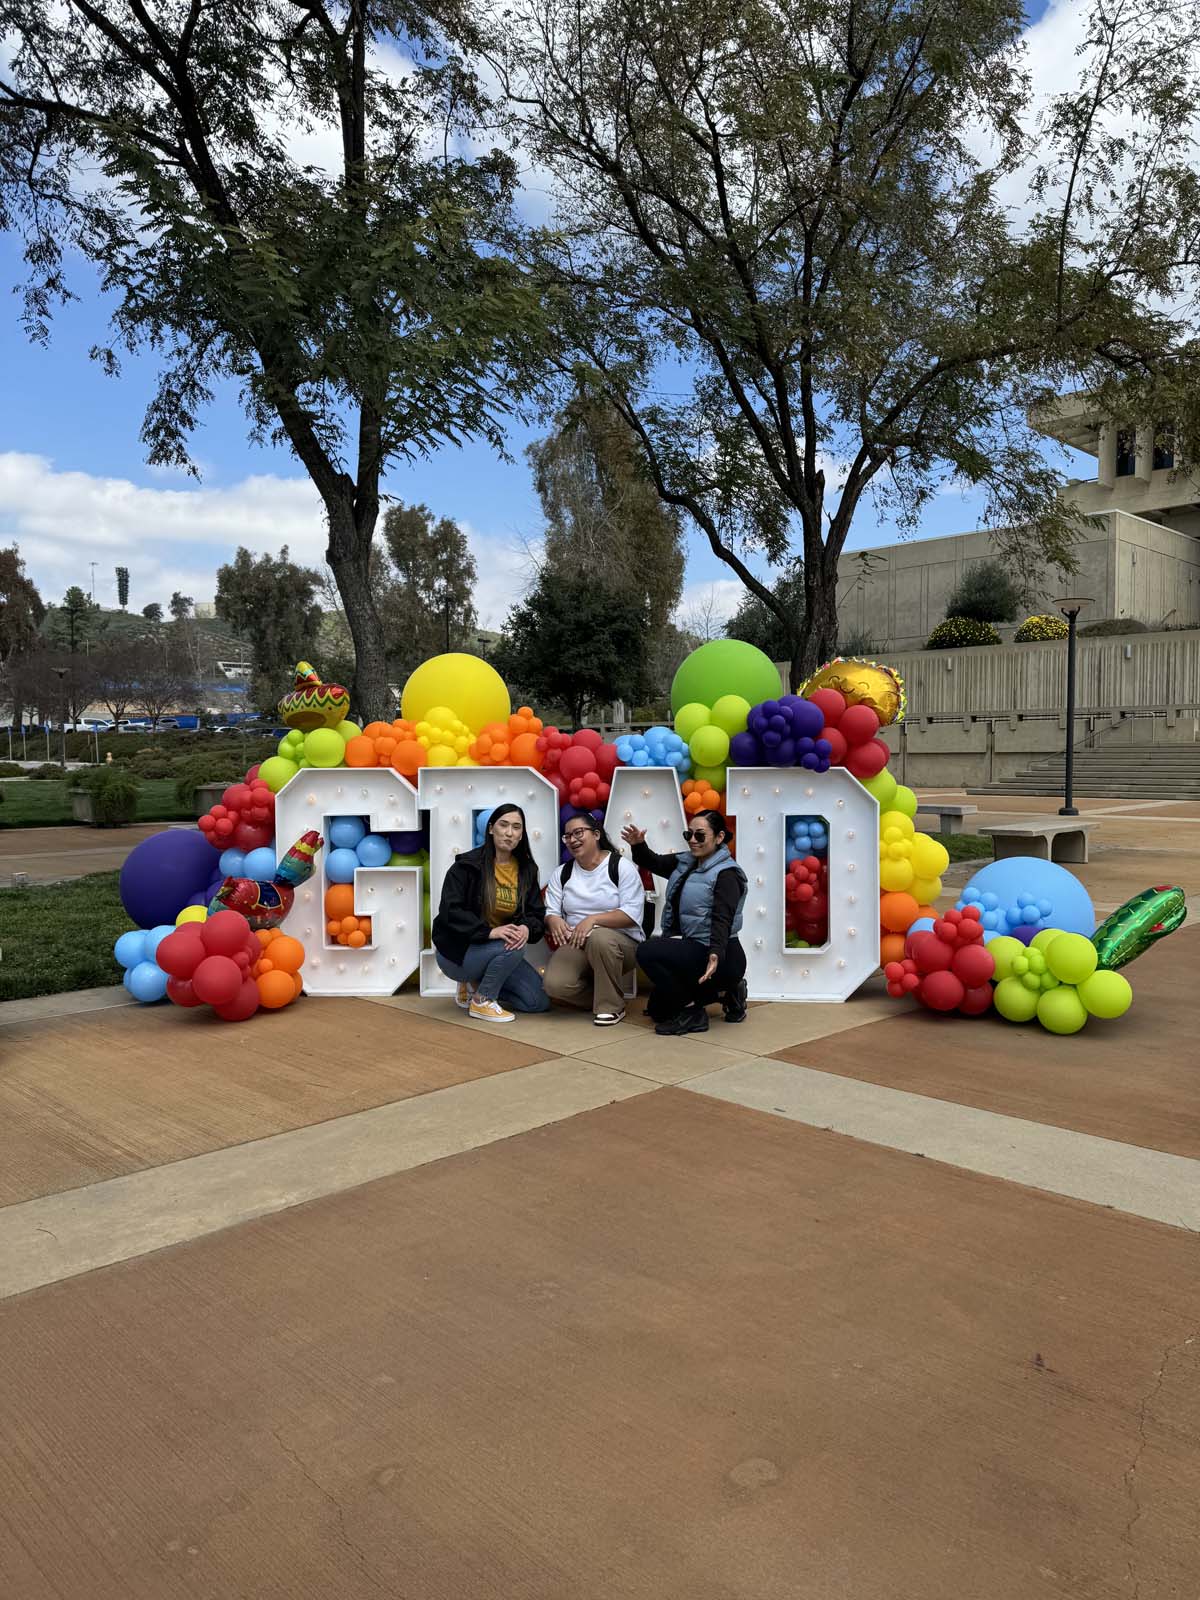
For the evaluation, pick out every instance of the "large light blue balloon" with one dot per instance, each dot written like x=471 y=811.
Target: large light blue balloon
x=232 y=863
x=259 y=864
x=341 y=865
x=373 y=850
x=147 y=982
x=345 y=832
x=130 y=948
x=1040 y=892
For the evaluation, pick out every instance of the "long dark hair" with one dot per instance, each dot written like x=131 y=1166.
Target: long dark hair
x=602 y=839
x=527 y=872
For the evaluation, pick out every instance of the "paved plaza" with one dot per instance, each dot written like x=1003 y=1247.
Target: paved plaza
x=366 y=1299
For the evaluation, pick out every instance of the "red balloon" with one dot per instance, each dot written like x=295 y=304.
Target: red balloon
x=243 y=1005
x=831 y=704
x=253 y=773
x=181 y=952
x=224 y=826
x=181 y=992
x=976 y=1001
x=973 y=964
x=217 y=979
x=575 y=762
x=589 y=738
x=858 y=724
x=225 y=934
x=206 y=823
x=942 y=991
x=252 y=835
x=837 y=746
x=867 y=760
x=928 y=951
x=236 y=797
x=606 y=760
x=560 y=783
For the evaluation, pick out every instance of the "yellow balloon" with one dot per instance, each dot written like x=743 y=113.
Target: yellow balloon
x=443 y=755
x=441 y=717
x=466 y=761
x=925 y=890
x=896 y=819
x=474 y=689
x=192 y=914
x=895 y=876
x=930 y=858
x=424 y=740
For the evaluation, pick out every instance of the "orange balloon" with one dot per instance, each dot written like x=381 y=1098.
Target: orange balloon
x=927 y=911
x=360 y=752
x=409 y=757
x=333 y=929
x=356 y=940
x=275 y=989
x=348 y=925
x=693 y=803
x=287 y=954
x=339 y=901
x=299 y=982
x=898 y=911
x=374 y=729
x=524 y=752
x=891 y=948
x=384 y=747
x=263 y=935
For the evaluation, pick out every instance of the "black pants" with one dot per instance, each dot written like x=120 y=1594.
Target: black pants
x=674 y=966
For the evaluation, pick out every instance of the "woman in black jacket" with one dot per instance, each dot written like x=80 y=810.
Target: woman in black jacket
x=491 y=910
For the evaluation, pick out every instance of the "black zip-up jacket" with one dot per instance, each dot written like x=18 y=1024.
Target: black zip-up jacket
x=460 y=920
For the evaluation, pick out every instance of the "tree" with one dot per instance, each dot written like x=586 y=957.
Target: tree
x=75 y=620
x=428 y=601
x=572 y=643
x=986 y=593
x=180 y=606
x=123 y=587
x=21 y=608
x=153 y=612
x=118 y=675
x=368 y=313
x=794 y=207
x=164 y=683
x=602 y=513
x=760 y=625
x=270 y=601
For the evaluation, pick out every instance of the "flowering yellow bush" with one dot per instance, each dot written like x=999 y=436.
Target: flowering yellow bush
x=1041 y=627
x=958 y=633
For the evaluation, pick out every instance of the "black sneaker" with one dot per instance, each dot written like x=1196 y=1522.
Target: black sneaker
x=733 y=1002
x=693 y=1020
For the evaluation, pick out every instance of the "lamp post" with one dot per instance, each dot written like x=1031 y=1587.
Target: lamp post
x=60 y=673
x=1070 y=606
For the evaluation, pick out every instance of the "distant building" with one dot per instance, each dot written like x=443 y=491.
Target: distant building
x=1141 y=563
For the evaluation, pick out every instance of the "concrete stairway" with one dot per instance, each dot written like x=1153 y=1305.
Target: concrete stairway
x=1129 y=772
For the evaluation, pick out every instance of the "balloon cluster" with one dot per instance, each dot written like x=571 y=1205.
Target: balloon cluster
x=852 y=732
x=947 y=967
x=276 y=973
x=210 y=962
x=787 y=732
x=1025 y=917
x=510 y=744
x=143 y=977
x=1056 y=979
x=711 y=696
x=243 y=818
x=708 y=733
x=657 y=747
x=806 y=901
x=910 y=861
x=699 y=795
x=354 y=847
x=297 y=750
x=580 y=766
x=341 y=923
x=805 y=836
x=377 y=746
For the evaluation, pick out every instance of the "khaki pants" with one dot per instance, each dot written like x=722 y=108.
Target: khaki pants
x=594 y=976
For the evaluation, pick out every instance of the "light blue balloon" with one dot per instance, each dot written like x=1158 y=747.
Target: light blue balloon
x=373 y=850
x=125 y=977
x=1046 y=882
x=232 y=863
x=657 y=734
x=624 y=750
x=922 y=925
x=155 y=936
x=147 y=982
x=130 y=948
x=259 y=864
x=345 y=832
x=641 y=758
x=341 y=865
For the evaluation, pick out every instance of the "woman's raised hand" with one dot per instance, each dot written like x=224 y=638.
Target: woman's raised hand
x=632 y=835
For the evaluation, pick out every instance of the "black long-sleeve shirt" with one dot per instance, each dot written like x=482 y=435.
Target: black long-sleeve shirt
x=727 y=893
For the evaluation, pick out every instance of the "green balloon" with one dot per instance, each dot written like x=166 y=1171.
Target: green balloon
x=1061 y=1010
x=417 y=858
x=722 y=667
x=325 y=747
x=1046 y=937
x=1106 y=994
x=286 y=749
x=714 y=777
x=904 y=800
x=1004 y=951
x=276 y=771
x=348 y=730
x=1014 y=1001
x=1071 y=957
x=689 y=719
x=1132 y=928
x=729 y=713
x=883 y=786
x=709 y=746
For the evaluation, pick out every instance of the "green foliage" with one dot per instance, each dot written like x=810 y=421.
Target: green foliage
x=272 y=602
x=1112 y=627
x=21 y=608
x=960 y=633
x=213 y=767
x=60 y=936
x=47 y=770
x=48 y=805
x=860 y=644
x=1043 y=626
x=426 y=597
x=986 y=592
x=153 y=612
x=114 y=792
x=11 y=769
x=74 y=620
x=759 y=625
x=573 y=643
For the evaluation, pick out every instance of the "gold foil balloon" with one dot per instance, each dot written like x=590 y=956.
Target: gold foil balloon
x=864 y=683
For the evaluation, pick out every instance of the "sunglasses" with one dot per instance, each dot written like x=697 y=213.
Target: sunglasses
x=698 y=834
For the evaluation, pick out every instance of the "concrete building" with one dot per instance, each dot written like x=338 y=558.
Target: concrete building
x=1139 y=561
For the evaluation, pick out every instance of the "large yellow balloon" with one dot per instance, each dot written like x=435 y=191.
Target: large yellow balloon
x=472 y=689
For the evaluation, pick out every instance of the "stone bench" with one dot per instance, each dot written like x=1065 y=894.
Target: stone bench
x=1048 y=838
x=951 y=818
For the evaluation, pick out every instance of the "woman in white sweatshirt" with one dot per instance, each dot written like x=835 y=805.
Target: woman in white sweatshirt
x=594 y=908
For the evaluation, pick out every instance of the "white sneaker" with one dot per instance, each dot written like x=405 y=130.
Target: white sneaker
x=608 y=1019
x=462 y=996
x=489 y=1010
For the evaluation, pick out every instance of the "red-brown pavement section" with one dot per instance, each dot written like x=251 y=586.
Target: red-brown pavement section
x=669 y=1349
x=1136 y=1079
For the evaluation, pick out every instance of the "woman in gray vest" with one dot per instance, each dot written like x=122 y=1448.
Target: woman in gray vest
x=695 y=958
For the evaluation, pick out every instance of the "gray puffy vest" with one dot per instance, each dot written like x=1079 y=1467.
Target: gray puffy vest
x=695 y=904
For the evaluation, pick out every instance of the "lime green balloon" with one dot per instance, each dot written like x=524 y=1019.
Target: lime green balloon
x=1071 y=957
x=715 y=777
x=883 y=786
x=709 y=746
x=930 y=858
x=725 y=666
x=288 y=750
x=276 y=771
x=1061 y=1010
x=904 y=800
x=690 y=718
x=1046 y=937
x=1106 y=994
x=304 y=763
x=1013 y=1000
x=417 y=858
x=325 y=747
x=1004 y=951
x=348 y=730
x=730 y=713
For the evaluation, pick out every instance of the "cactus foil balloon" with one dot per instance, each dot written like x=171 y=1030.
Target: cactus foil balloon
x=1132 y=928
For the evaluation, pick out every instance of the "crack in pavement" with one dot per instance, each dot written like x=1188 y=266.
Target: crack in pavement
x=1130 y=1475
x=339 y=1512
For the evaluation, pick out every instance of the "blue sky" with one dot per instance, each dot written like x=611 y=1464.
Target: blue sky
x=75 y=488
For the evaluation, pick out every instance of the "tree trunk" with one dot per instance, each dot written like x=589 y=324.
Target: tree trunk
x=349 y=557
x=818 y=633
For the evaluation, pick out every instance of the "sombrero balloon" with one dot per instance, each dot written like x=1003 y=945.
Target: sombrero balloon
x=313 y=704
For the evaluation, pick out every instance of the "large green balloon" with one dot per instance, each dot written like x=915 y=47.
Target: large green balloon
x=1014 y=1001
x=1061 y=1010
x=1003 y=950
x=1071 y=957
x=884 y=787
x=725 y=666
x=1106 y=994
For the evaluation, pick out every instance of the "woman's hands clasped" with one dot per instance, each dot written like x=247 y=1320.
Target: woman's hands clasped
x=514 y=934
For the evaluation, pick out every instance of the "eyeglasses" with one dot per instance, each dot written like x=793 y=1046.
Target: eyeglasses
x=698 y=834
x=574 y=838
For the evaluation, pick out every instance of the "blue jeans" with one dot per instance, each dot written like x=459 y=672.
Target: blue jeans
x=498 y=974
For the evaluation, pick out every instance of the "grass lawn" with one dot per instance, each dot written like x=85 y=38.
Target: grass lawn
x=966 y=846
x=44 y=803
x=60 y=935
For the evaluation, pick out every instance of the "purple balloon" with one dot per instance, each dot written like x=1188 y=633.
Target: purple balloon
x=1026 y=932
x=743 y=749
x=161 y=875
x=407 y=844
x=807 y=718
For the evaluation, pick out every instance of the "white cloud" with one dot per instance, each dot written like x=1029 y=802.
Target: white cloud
x=709 y=603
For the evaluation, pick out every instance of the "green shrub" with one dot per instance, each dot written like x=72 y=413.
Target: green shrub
x=214 y=766
x=1045 y=626
x=1110 y=627
x=114 y=793
x=48 y=769
x=959 y=633
x=986 y=592
x=11 y=769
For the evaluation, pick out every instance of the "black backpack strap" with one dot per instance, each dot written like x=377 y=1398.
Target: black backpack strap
x=564 y=872
x=614 y=868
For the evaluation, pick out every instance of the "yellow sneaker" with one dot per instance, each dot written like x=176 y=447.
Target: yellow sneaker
x=462 y=996
x=489 y=1010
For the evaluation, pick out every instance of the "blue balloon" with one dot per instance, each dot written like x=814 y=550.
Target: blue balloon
x=373 y=850
x=921 y=925
x=232 y=862
x=259 y=864
x=641 y=758
x=345 y=832
x=407 y=844
x=155 y=936
x=147 y=982
x=341 y=865
x=1041 y=884
x=130 y=948
x=162 y=874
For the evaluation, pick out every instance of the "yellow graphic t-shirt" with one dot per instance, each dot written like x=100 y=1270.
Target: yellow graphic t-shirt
x=507 y=878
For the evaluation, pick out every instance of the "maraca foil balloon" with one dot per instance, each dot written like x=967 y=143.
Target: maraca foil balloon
x=864 y=683
x=1132 y=928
